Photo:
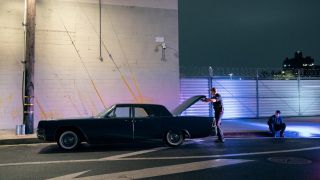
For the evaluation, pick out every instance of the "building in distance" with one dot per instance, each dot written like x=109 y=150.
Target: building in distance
x=299 y=64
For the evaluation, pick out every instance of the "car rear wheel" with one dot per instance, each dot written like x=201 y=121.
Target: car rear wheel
x=174 y=138
x=68 y=140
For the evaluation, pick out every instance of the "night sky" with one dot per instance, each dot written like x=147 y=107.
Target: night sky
x=247 y=33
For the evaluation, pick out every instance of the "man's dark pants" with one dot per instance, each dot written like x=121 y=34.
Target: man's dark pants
x=218 y=116
x=277 y=127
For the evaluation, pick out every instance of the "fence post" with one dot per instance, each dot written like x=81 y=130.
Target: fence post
x=299 y=96
x=257 y=92
x=209 y=92
x=209 y=95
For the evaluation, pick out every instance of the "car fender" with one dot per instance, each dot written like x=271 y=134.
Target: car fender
x=186 y=133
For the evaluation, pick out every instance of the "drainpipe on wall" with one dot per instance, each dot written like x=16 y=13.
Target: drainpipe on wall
x=100 y=32
x=24 y=51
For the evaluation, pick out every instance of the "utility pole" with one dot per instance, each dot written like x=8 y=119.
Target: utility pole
x=28 y=101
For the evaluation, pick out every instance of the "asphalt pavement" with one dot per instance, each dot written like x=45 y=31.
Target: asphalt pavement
x=297 y=127
x=237 y=158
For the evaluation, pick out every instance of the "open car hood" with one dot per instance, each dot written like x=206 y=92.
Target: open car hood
x=186 y=104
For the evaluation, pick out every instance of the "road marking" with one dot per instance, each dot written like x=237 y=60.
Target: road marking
x=223 y=155
x=157 y=171
x=133 y=153
x=111 y=158
x=116 y=157
x=160 y=158
x=49 y=162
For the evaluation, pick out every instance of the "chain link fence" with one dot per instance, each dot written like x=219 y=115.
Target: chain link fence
x=245 y=73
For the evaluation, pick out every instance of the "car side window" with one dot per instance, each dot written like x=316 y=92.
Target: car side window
x=122 y=112
x=140 y=112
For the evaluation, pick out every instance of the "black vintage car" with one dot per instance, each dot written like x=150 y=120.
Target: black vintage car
x=127 y=122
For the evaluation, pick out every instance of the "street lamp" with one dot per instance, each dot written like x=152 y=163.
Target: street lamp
x=210 y=71
x=231 y=74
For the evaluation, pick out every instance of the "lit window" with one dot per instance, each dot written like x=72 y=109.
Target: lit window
x=140 y=113
x=122 y=112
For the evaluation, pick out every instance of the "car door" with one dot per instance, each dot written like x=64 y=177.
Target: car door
x=118 y=124
x=145 y=126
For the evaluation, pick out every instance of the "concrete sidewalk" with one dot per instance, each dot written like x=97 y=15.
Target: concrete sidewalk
x=8 y=137
x=296 y=127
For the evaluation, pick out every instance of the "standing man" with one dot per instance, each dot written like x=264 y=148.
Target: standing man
x=276 y=123
x=216 y=100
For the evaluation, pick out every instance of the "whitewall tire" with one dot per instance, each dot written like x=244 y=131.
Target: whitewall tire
x=68 y=140
x=174 y=138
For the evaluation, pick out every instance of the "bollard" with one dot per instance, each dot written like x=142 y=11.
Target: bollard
x=18 y=129
x=23 y=129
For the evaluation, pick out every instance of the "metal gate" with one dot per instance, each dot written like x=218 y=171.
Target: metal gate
x=254 y=98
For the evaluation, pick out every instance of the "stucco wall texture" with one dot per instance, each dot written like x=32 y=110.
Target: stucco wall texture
x=70 y=80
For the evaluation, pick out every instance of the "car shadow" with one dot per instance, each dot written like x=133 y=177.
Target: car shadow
x=84 y=147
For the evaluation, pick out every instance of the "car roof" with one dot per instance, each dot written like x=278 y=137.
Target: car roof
x=137 y=104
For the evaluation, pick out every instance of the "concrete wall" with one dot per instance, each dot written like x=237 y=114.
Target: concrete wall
x=70 y=80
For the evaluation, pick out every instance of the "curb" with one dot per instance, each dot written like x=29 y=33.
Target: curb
x=20 y=141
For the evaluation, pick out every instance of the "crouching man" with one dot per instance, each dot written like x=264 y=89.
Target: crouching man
x=276 y=123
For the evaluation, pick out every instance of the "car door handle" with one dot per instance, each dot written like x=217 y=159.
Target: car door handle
x=137 y=121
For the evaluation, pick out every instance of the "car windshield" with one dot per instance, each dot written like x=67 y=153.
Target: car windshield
x=105 y=112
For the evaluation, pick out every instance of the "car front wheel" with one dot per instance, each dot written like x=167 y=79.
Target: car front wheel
x=68 y=140
x=174 y=138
